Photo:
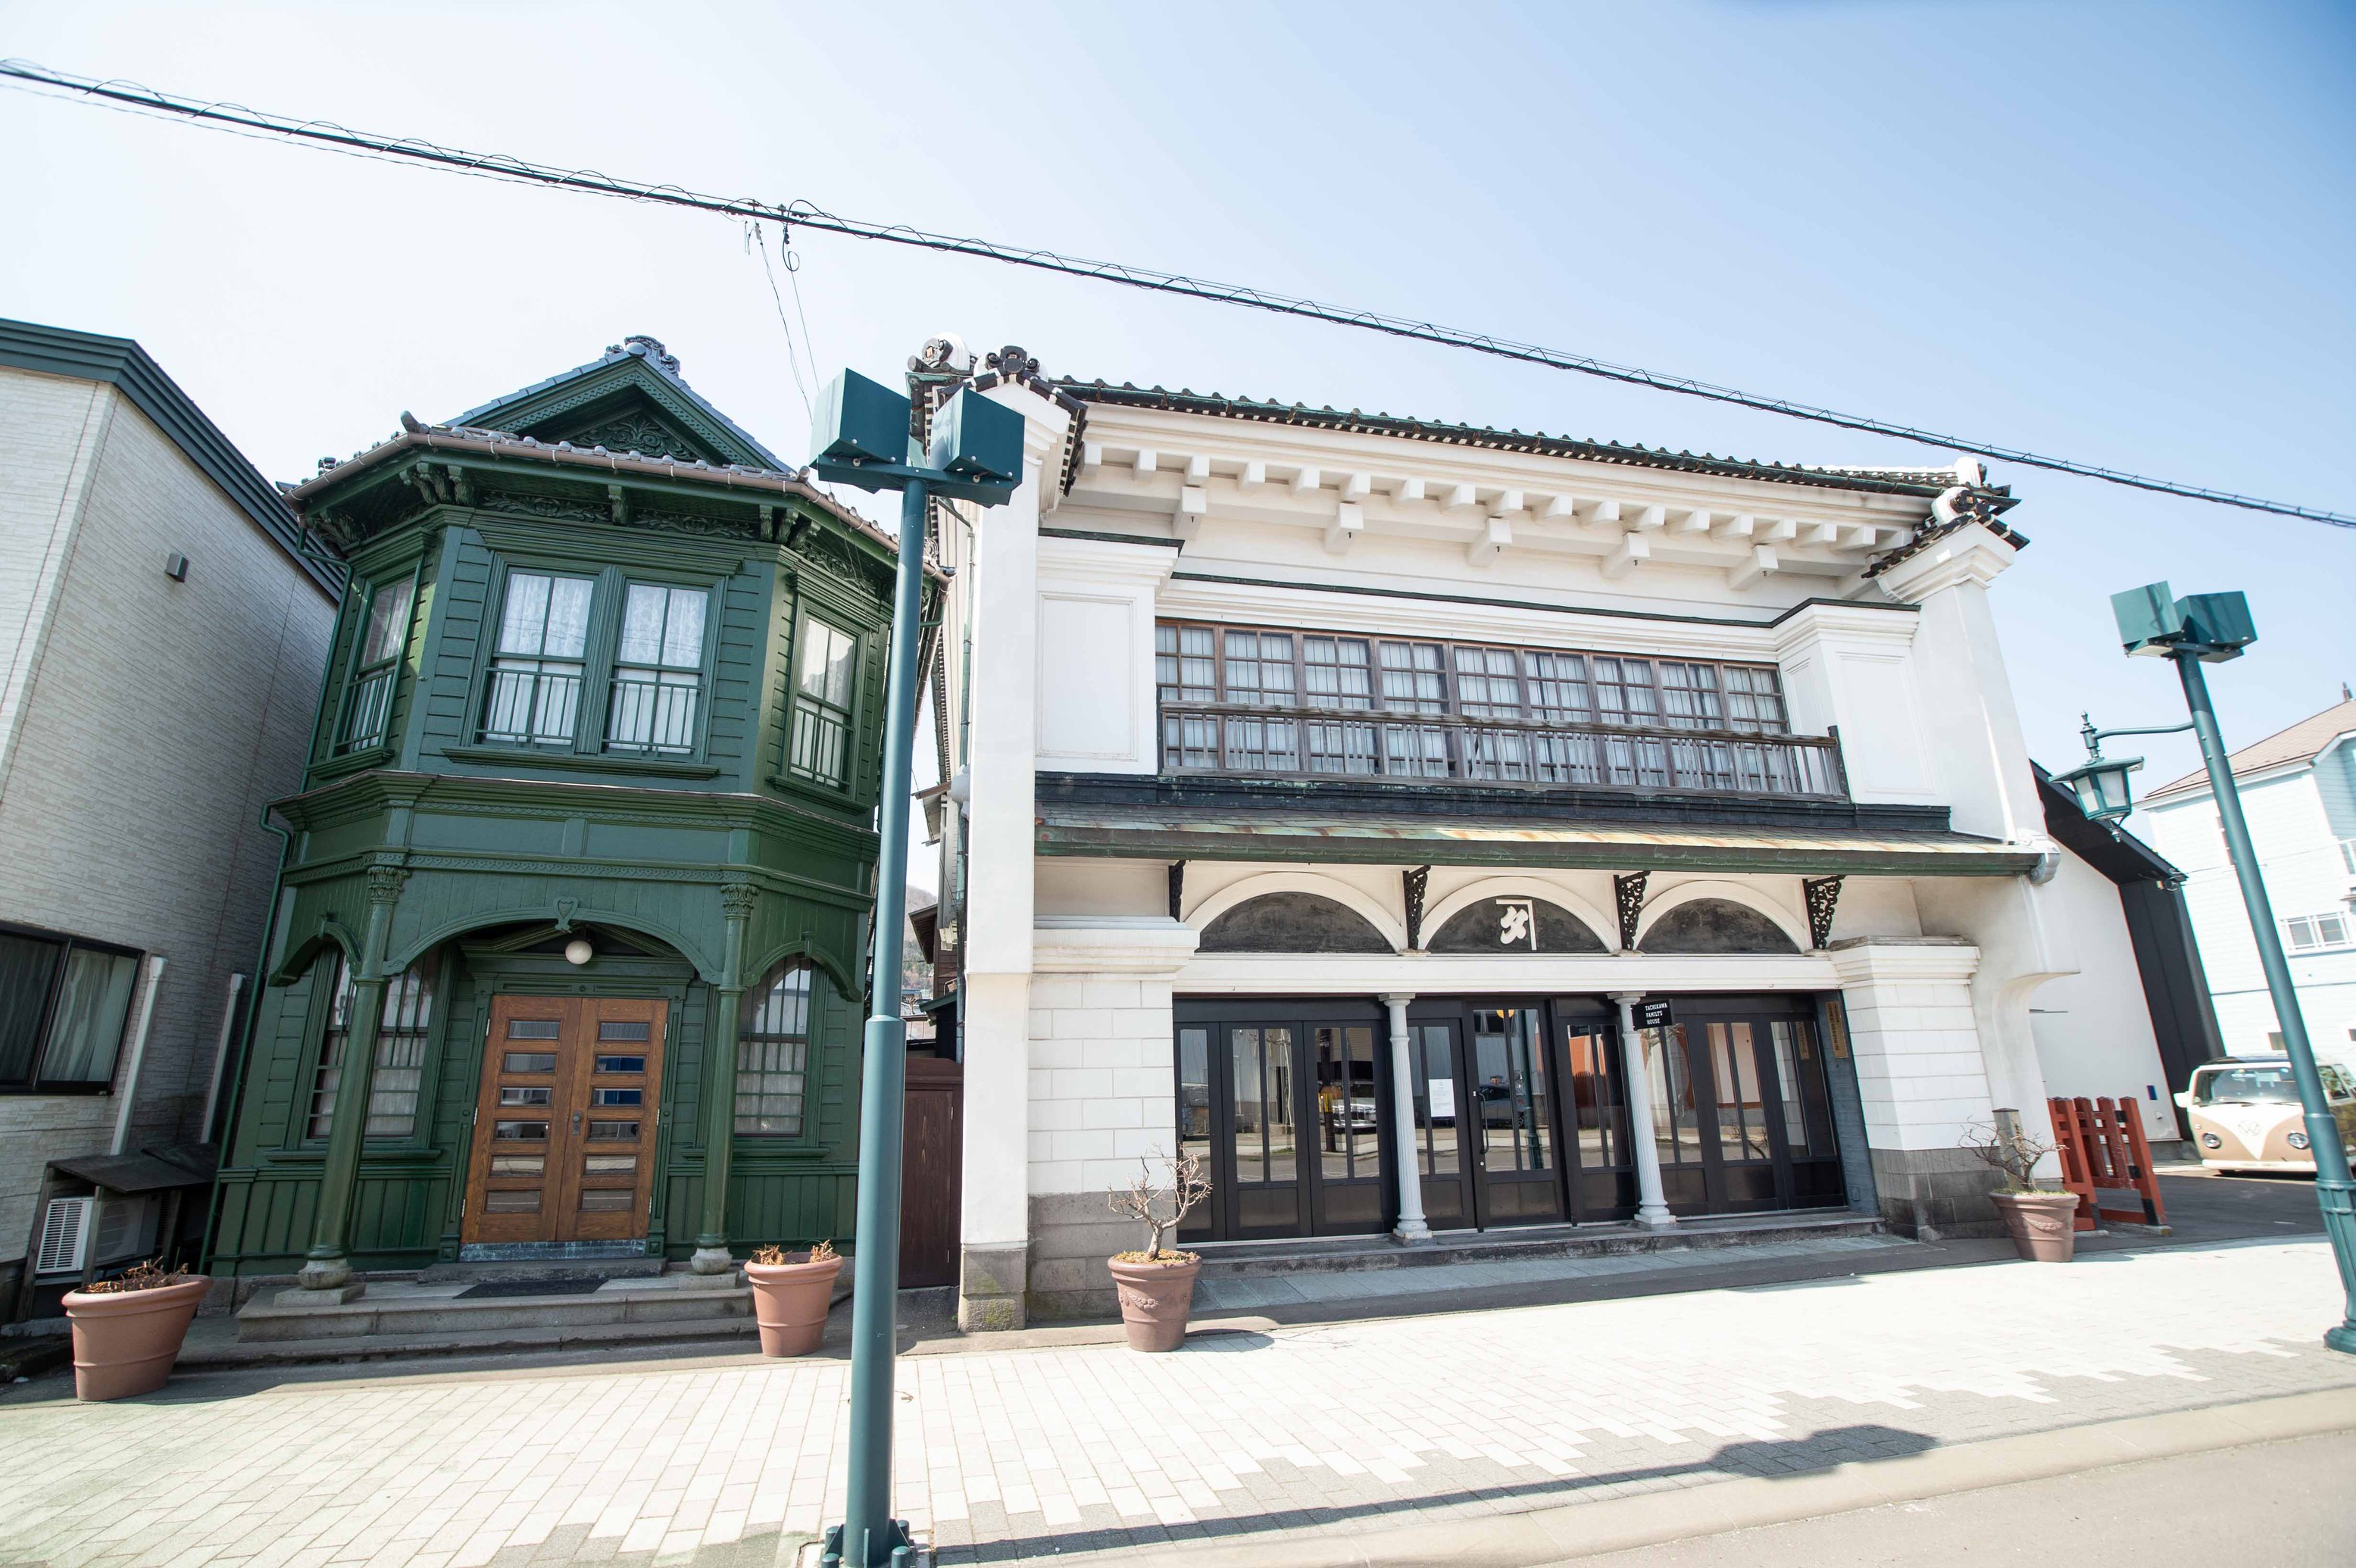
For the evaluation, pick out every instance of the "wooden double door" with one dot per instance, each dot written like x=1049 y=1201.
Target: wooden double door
x=564 y=1129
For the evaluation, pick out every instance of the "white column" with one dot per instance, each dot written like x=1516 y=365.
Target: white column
x=1411 y=1227
x=995 y=996
x=1652 y=1203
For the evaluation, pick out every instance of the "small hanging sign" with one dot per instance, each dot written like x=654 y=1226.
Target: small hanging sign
x=1653 y=1015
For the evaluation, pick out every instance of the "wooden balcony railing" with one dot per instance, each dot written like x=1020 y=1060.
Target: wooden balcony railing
x=1250 y=741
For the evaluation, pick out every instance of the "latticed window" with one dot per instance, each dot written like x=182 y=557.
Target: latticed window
x=369 y=702
x=1487 y=686
x=535 y=695
x=1414 y=680
x=1689 y=697
x=773 y=1058
x=1754 y=703
x=823 y=699
x=657 y=670
x=1260 y=668
x=1183 y=663
x=1623 y=691
x=401 y=1033
x=1340 y=672
x=1559 y=688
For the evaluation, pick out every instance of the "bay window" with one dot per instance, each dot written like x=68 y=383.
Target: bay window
x=367 y=703
x=823 y=691
x=536 y=670
x=657 y=670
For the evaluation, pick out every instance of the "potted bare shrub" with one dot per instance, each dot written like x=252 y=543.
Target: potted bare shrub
x=2042 y=1219
x=1157 y=1286
x=127 y=1331
x=792 y=1294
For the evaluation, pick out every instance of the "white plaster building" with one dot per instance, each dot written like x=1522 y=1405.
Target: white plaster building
x=2298 y=790
x=1330 y=786
x=161 y=642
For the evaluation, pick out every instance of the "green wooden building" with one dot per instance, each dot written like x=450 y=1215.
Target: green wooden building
x=569 y=949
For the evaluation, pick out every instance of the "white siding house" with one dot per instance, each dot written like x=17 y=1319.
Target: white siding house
x=1330 y=788
x=161 y=642
x=2298 y=790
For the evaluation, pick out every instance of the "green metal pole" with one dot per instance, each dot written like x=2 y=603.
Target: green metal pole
x=871 y=1538
x=2333 y=1189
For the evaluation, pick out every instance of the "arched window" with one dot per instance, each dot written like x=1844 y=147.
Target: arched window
x=773 y=1056
x=1715 y=925
x=399 y=1051
x=1292 y=923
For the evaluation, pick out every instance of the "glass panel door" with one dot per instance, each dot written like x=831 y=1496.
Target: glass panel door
x=1510 y=1113
x=1600 y=1164
x=1746 y=1176
x=1266 y=1181
x=1349 y=1188
x=1195 y=1134
x=1677 y=1103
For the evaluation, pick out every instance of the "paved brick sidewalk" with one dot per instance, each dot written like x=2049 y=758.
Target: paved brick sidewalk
x=1018 y=1455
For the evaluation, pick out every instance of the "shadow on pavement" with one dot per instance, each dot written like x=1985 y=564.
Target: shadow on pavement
x=1766 y=1460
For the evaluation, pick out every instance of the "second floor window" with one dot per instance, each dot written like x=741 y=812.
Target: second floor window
x=1255 y=701
x=369 y=702
x=536 y=669
x=820 y=746
x=657 y=670
x=2309 y=933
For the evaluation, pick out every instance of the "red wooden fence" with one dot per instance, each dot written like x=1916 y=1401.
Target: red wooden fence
x=2102 y=1147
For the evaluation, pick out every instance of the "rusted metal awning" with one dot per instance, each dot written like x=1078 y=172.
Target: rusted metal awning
x=1123 y=832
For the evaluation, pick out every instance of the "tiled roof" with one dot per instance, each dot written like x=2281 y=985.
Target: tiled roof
x=1924 y=482
x=2302 y=742
x=658 y=360
x=506 y=444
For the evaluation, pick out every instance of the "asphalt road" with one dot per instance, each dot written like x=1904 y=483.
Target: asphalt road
x=2284 y=1503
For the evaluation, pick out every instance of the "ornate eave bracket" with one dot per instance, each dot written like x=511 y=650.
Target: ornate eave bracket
x=1823 y=897
x=1628 y=893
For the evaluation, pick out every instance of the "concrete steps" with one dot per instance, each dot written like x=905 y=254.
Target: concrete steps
x=1341 y=1254
x=435 y=1308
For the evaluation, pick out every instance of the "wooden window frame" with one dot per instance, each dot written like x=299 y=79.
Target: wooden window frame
x=319 y=1023
x=342 y=743
x=803 y=1134
x=600 y=657
x=845 y=789
x=1515 y=747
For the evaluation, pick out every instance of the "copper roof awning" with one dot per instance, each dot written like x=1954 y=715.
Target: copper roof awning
x=1120 y=832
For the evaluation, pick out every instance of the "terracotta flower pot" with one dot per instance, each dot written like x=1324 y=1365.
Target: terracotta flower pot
x=1155 y=1299
x=2043 y=1224
x=125 y=1342
x=790 y=1302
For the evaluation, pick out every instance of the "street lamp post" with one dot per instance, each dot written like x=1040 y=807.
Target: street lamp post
x=2209 y=628
x=865 y=437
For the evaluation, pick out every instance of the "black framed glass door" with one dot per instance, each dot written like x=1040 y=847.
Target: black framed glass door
x=1519 y=1116
x=1285 y=1102
x=1741 y=1112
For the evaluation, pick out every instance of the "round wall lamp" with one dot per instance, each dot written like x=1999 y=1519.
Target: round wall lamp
x=578 y=951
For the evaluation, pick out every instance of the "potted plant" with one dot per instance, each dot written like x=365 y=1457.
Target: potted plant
x=791 y=1295
x=127 y=1331
x=1157 y=1286
x=2042 y=1219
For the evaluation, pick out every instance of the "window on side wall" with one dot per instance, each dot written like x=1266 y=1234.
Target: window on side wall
x=658 y=671
x=773 y=1057
x=369 y=702
x=824 y=687
x=2309 y=933
x=536 y=667
x=401 y=1032
x=64 y=1006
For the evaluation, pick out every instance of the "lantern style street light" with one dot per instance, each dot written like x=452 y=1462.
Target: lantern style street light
x=864 y=436
x=2209 y=628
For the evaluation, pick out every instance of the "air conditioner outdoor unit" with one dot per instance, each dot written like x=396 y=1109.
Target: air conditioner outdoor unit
x=65 y=1226
x=126 y=1230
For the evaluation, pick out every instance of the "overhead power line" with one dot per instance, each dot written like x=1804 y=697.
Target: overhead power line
x=502 y=166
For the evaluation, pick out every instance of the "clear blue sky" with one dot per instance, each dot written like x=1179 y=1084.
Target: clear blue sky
x=2118 y=232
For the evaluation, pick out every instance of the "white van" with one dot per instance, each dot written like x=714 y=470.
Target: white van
x=2245 y=1112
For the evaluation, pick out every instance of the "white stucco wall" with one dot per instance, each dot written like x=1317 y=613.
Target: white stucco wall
x=156 y=721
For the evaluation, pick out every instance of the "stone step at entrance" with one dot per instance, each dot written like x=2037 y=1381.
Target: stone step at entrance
x=572 y=1302
x=1531 y=1243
